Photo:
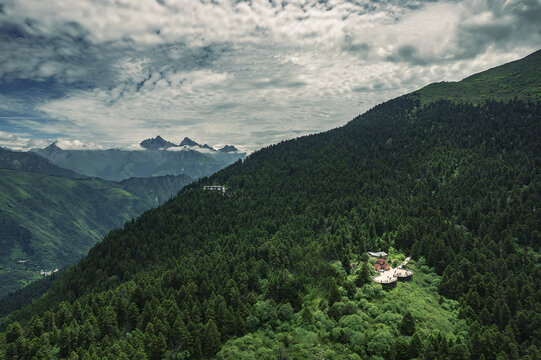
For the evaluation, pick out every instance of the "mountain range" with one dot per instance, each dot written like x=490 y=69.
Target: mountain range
x=158 y=143
x=159 y=158
x=277 y=267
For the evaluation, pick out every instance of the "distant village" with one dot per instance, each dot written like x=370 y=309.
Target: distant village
x=47 y=273
x=42 y=272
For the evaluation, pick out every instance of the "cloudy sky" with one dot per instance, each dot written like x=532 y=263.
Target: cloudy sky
x=113 y=72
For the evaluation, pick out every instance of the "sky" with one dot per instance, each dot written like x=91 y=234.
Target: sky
x=110 y=73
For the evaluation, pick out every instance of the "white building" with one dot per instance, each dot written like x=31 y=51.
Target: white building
x=220 y=188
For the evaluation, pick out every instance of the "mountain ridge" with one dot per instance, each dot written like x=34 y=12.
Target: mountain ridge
x=266 y=271
x=517 y=79
x=156 y=143
x=26 y=161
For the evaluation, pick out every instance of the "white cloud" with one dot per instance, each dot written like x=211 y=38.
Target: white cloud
x=20 y=141
x=247 y=73
x=26 y=142
x=193 y=148
x=68 y=144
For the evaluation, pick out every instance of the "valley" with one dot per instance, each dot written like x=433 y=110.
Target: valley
x=50 y=222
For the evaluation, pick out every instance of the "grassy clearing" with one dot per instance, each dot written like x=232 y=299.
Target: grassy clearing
x=520 y=80
x=369 y=330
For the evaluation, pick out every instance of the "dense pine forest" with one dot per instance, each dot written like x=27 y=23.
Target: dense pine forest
x=263 y=272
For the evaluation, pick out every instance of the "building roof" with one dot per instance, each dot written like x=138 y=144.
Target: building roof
x=377 y=254
x=381 y=261
x=377 y=266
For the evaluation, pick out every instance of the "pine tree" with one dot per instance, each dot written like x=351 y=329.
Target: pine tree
x=346 y=264
x=180 y=334
x=107 y=321
x=49 y=321
x=416 y=346
x=36 y=326
x=407 y=327
x=459 y=351
x=306 y=314
x=156 y=346
x=363 y=276
x=211 y=339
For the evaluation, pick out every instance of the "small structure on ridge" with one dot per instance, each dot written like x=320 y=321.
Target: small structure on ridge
x=381 y=265
x=388 y=277
x=220 y=188
x=379 y=254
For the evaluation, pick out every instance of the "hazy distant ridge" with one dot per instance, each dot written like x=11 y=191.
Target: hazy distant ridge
x=118 y=164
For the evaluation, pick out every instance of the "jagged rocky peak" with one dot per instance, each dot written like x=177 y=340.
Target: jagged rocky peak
x=188 y=142
x=51 y=149
x=207 y=146
x=228 y=148
x=53 y=146
x=157 y=143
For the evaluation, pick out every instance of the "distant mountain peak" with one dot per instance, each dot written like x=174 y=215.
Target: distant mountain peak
x=228 y=148
x=157 y=143
x=188 y=142
x=51 y=149
x=53 y=146
x=207 y=146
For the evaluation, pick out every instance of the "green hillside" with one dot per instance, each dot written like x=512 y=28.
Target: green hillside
x=48 y=222
x=519 y=79
x=264 y=271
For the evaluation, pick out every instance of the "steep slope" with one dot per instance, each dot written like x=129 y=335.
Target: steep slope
x=518 y=79
x=49 y=222
x=159 y=188
x=31 y=162
x=265 y=267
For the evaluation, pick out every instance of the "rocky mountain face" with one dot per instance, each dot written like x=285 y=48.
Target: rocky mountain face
x=157 y=143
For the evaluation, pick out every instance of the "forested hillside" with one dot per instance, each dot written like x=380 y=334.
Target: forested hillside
x=264 y=271
x=48 y=222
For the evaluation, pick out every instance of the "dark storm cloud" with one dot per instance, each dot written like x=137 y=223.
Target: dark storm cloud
x=501 y=25
x=482 y=25
x=27 y=55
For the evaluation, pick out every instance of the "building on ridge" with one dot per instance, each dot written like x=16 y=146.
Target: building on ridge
x=219 y=188
x=379 y=254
